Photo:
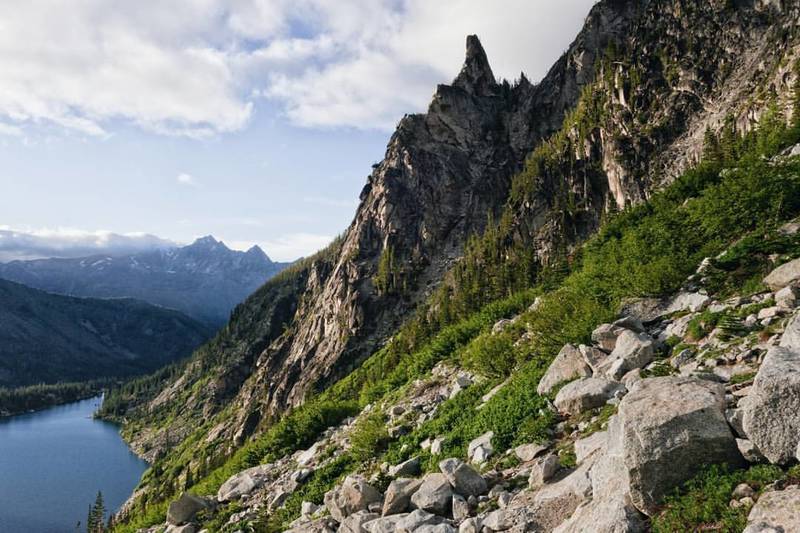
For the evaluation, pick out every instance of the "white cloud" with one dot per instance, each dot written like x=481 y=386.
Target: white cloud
x=287 y=247
x=70 y=242
x=186 y=179
x=196 y=68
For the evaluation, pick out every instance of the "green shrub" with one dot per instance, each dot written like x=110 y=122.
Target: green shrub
x=490 y=354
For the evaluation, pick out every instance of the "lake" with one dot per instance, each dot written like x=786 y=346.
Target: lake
x=53 y=462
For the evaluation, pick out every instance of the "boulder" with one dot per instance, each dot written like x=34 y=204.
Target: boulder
x=460 y=508
x=528 y=452
x=772 y=411
x=417 y=519
x=791 y=334
x=480 y=448
x=594 y=357
x=355 y=522
x=543 y=470
x=309 y=508
x=398 y=495
x=353 y=495
x=630 y=322
x=605 y=336
x=406 y=468
x=786 y=297
x=749 y=451
x=434 y=528
x=243 y=483
x=386 y=524
x=588 y=445
x=665 y=430
x=433 y=495
x=186 y=528
x=568 y=364
x=497 y=521
x=464 y=479
x=185 y=508
x=633 y=350
x=609 y=515
x=783 y=275
x=471 y=525
x=779 y=509
x=687 y=301
x=585 y=393
x=320 y=525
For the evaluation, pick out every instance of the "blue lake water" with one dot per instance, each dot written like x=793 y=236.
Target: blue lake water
x=53 y=462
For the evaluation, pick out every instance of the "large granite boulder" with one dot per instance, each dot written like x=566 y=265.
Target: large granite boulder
x=243 y=483
x=632 y=350
x=398 y=495
x=586 y=393
x=464 y=479
x=665 y=430
x=783 y=275
x=434 y=495
x=353 y=495
x=185 y=508
x=777 y=510
x=772 y=411
x=568 y=364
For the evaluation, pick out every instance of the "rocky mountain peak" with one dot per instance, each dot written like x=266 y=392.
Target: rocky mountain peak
x=476 y=75
x=255 y=252
x=207 y=242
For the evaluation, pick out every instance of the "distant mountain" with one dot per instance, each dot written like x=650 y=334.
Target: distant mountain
x=48 y=337
x=205 y=279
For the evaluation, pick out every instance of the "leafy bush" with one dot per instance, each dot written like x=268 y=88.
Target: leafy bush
x=491 y=354
x=703 y=503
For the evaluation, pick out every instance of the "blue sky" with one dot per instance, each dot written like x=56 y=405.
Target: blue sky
x=256 y=121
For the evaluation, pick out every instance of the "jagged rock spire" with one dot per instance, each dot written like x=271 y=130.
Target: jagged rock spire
x=476 y=75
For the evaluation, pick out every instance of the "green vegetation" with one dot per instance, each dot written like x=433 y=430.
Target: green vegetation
x=703 y=503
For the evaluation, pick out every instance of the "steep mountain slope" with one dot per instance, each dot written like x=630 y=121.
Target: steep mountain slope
x=205 y=279
x=46 y=338
x=534 y=169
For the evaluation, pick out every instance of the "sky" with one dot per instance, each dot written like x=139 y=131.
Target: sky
x=131 y=125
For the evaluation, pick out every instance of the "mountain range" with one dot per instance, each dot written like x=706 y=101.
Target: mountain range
x=204 y=280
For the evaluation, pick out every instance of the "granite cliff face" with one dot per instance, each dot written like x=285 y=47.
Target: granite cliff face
x=620 y=114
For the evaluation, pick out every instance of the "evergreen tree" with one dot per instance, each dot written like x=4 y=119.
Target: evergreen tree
x=712 y=152
x=95 y=522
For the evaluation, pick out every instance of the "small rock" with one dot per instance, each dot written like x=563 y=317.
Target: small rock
x=543 y=470
x=436 y=445
x=480 y=449
x=460 y=508
x=309 y=508
x=743 y=490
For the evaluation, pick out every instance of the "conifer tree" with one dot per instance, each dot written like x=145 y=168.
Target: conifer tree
x=95 y=522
